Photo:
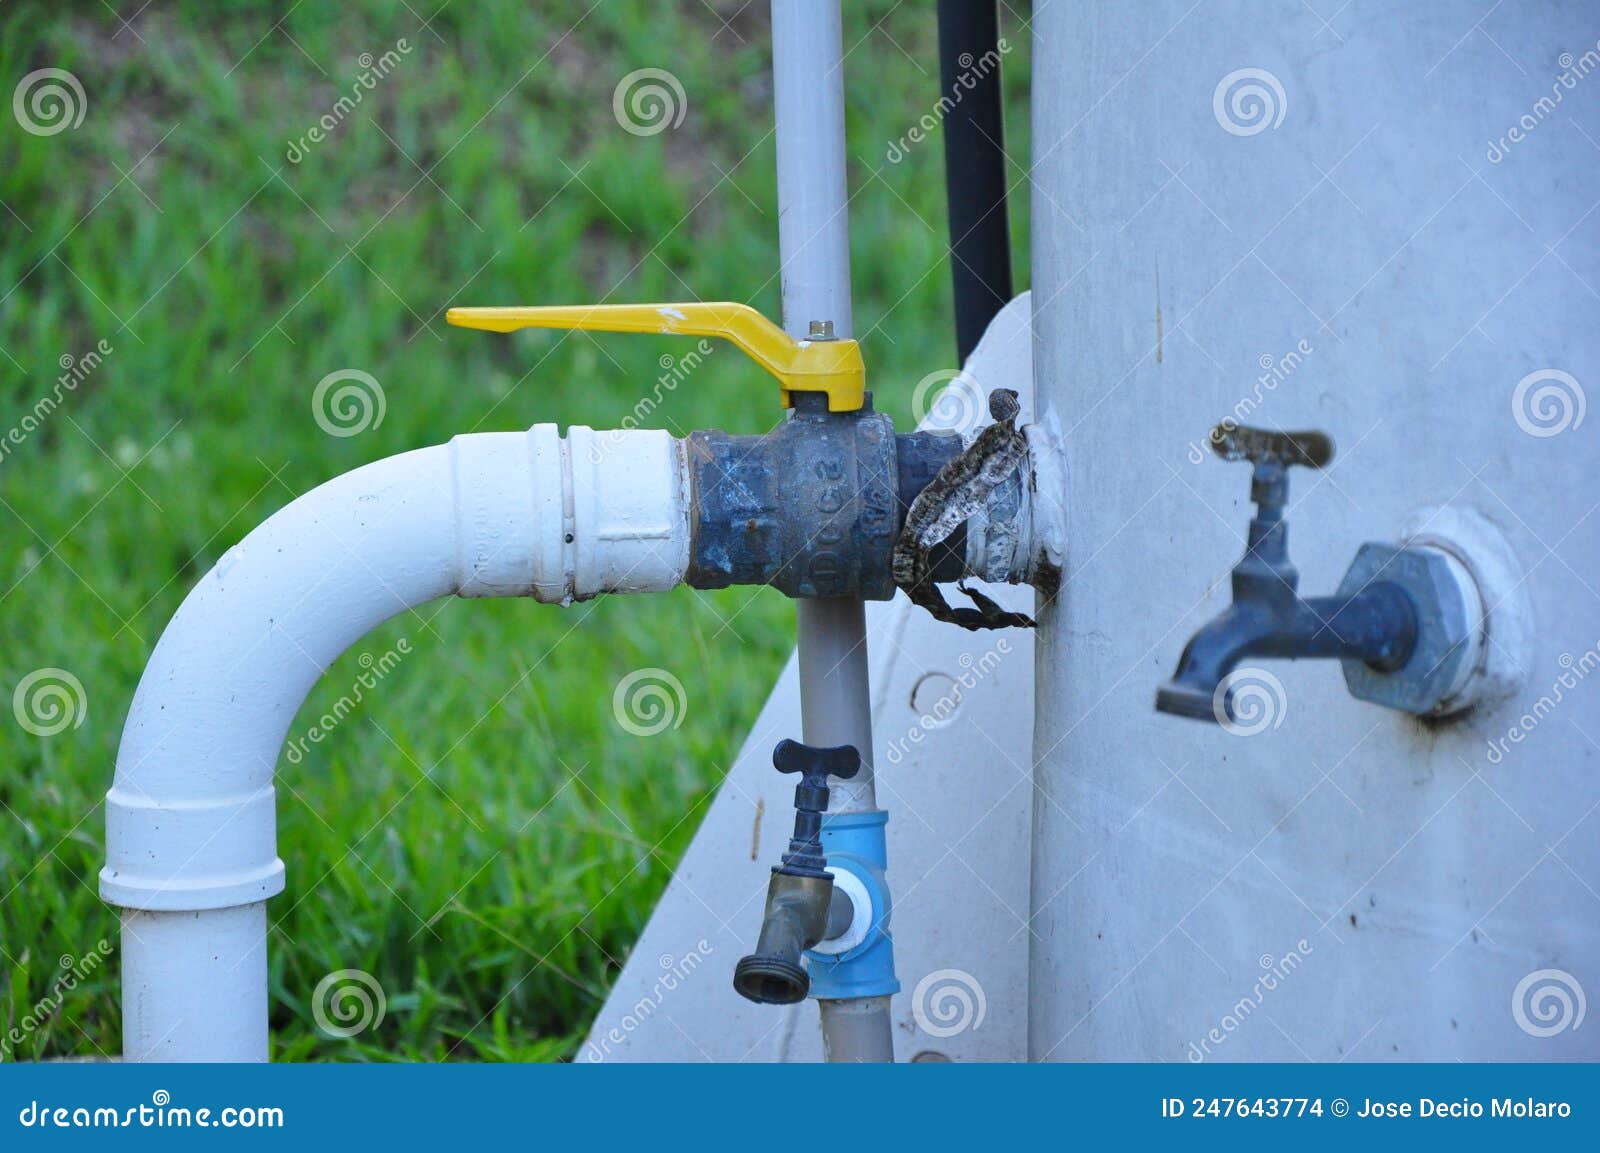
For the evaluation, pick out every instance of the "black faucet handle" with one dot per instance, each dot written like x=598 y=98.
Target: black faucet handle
x=1233 y=441
x=815 y=766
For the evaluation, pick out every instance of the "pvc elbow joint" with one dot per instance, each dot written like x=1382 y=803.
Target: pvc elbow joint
x=190 y=818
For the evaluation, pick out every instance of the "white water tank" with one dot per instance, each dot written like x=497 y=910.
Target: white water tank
x=1382 y=222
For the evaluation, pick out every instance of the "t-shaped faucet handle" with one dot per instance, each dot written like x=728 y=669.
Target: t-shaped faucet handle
x=1270 y=454
x=1233 y=441
x=1374 y=625
x=815 y=766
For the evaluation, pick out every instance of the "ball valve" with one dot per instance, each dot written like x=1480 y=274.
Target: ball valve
x=815 y=507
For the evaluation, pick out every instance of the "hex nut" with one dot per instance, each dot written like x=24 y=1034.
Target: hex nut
x=1449 y=620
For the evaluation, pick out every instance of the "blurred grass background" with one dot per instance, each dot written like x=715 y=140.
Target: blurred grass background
x=480 y=835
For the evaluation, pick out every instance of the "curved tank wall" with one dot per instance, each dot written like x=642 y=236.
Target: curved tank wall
x=1385 y=225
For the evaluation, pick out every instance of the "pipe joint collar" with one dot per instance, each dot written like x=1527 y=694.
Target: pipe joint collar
x=563 y=519
x=205 y=854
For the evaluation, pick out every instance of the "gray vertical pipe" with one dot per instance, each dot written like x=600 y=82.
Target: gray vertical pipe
x=814 y=251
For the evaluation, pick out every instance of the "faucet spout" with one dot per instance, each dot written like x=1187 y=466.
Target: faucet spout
x=1211 y=654
x=1377 y=625
x=796 y=918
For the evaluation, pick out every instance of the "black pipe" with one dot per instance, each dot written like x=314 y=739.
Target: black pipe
x=974 y=165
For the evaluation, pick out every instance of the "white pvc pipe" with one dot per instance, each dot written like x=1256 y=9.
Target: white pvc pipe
x=190 y=825
x=194 y=984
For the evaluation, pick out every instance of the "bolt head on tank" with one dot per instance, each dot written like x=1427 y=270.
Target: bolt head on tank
x=1449 y=623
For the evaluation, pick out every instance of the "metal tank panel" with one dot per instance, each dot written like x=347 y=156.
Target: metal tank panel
x=1383 y=225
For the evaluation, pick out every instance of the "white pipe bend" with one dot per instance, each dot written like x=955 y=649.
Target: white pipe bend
x=190 y=821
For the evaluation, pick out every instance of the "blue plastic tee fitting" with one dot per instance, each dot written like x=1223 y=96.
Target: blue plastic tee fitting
x=854 y=843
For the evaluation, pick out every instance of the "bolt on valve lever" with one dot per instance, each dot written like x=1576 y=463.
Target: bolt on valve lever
x=1374 y=624
x=800 y=898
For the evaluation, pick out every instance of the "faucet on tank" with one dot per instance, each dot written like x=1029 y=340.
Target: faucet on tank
x=1404 y=621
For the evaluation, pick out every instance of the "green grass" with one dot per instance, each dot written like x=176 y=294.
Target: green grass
x=480 y=835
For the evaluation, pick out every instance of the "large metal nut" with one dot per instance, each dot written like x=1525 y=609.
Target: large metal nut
x=1449 y=629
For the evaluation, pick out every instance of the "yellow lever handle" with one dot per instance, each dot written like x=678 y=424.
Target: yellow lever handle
x=833 y=367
